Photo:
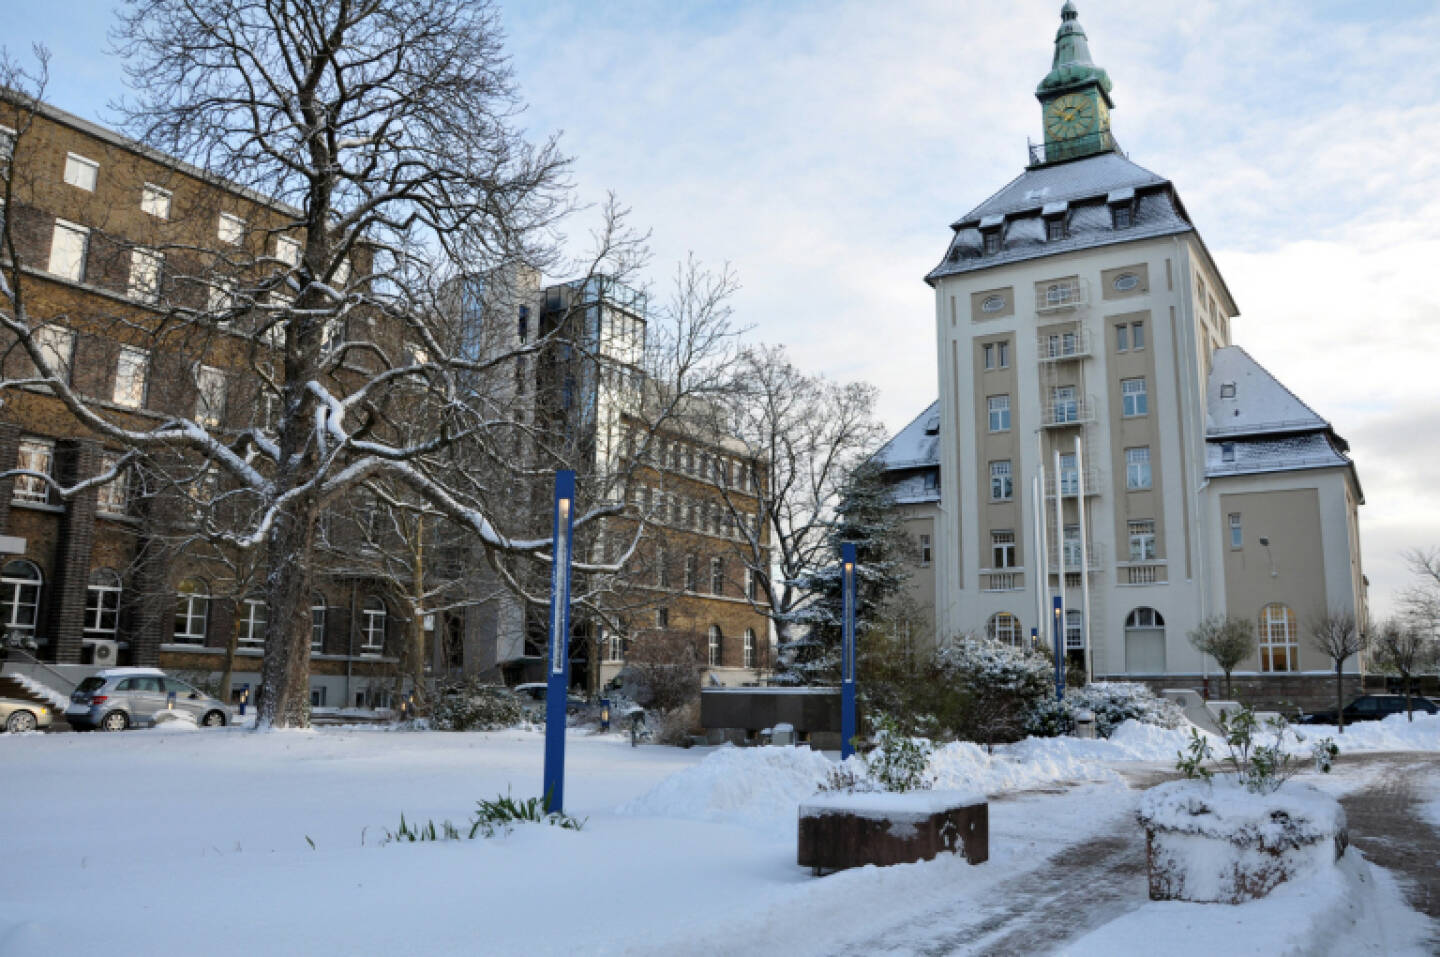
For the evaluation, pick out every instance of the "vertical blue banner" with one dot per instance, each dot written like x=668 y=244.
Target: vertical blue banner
x=1059 y=632
x=557 y=676
x=847 y=652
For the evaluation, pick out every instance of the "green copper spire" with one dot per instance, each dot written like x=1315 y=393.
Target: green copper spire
x=1072 y=65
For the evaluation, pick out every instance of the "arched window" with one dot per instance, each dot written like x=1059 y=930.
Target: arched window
x=192 y=611
x=1004 y=627
x=749 y=647
x=716 y=646
x=20 y=583
x=1144 y=642
x=372 y=626
x=1279 y=650
x=317 y=622
x=102 y=604
x=252 y=625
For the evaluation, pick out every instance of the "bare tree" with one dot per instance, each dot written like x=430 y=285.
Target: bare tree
x=1404 y=648
x=803 y=435
x=1337 y=634
x=1421 y=601
x=1227 y=639
x=377 y=144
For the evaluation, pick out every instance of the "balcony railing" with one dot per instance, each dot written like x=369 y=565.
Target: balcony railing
x=1011 y=579
x=1065 y=412
x=1094 y=558
x=1099 y=141
x=1143 y=573
x=1061 y=346
x=1062 y=295
x=1070 y=481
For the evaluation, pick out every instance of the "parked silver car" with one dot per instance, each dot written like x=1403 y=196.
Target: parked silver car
x=17 y=715
x=118 y=698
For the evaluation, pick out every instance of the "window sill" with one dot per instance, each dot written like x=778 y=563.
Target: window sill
x=38 y=506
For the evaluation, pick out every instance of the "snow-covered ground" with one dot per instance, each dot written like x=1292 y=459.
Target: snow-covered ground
x=176 y=837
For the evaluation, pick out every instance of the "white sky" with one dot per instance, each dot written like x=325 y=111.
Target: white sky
x=822 y=149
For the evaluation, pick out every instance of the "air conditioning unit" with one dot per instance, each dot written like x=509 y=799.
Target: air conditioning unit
x=104 y=652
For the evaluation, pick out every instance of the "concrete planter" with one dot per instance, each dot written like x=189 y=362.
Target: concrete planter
x=842 y=829
x=1219 y=843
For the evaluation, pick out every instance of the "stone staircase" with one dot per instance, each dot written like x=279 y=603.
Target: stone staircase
x=12 y=686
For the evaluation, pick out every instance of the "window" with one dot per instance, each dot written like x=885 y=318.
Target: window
x=67 y=250
x=989 y=350
x=132 y=370
x=1054 y=229
x=749 y=648
x=992 y=242
x=999 y=413
x=1122 y=338
x=1120 y=216
x=35 y=455
x=287 y=250
x=252 y=625
x=1227 y=390
x=992 y=303
x=20 y=583
x=932 y=481
x=57 y=345
x=1227 y=452
x=1002 y=549
x=81 y=172
x=716 y=646
x=317 y=622
x=1074 y=630
x=1144 y=618
x=231 y=229
x=210 y=400
x=102 y=604
x=1133 y=400
x=1126 y=281
x=613 y=644
x=717 y=576
x=1142 y=540
x=1003 y=627
x=692 y=572
x=1062 y=344
x=752 y=585
x=7 y=146
x=372 y=626
x=1137 y=468
x=1001 y=484
x=1137 y=335
x=1129 y=336
x=662 y=618
x=192 y=611
x=145 y=267
x=1064 y=407
x=1070 y=540
x=1062 y=294
x=112 y=498
x=1069 y=475
x=1002 y=349
x=1237 y=532
x=155 y=201
x=1279 y=649
x=925 y=553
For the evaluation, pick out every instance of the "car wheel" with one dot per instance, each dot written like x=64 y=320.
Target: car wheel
x=115 y=721
x=20 y=721
x=214 y=719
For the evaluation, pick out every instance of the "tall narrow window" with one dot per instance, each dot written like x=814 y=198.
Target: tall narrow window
x=210 y=399
x=662 y=618
x=1069 y=475
x=717 y=576
x=749 y=660
x=252 y=626
x=102 y=604
x=1122 y=338
x=999 y=406
x=112 y=498
x=1071 y=541
x=523 y=324
x=1137 y=334
x=1002 y=352
x=231 y=229
x=372 y=626
x=81 y=172
x=716 y=647
x=35 y=455
x=1137 y=468
x=155 y=201
x=692 y=572
x=317 y=622
x=20 y=584
x=145 y=266
x=68 y=244
x=192 y=612
x=1279 y=647
x=925 y=553
x=1133 y=398
x=1064 y=406
x=1002 y=549
x=752 y=585
x=132 y=370
x=988 y=351
x=1001 y=482
x=1237 y=531
x=57 y=345
x=1142 y=540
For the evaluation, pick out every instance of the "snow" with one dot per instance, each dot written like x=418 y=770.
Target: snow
x=1225 y=810
x=908 y=806
x=1395 y=733
x=57 y=700
x=1261 y=403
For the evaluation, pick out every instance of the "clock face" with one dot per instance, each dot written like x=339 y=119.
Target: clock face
x=1070 y=116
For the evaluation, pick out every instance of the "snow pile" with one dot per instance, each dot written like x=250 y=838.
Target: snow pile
x=888 y=805
x=756 y=787
x=57 y=700
x=170 y=722
x=1218 y=841
x=1394 y=733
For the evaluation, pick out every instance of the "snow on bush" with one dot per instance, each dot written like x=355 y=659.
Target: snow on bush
x=473 y=706
x=1112 y=703
x=984 y=690
x=1220 y=841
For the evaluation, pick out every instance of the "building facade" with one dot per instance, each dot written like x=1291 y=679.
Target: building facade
x=910 y=469
x=1104 y=443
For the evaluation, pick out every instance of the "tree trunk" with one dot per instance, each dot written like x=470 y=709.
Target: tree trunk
x=285 y=674
x=1340 y=696
x=1229 y=695
x=227 y=676
x=1409 y=706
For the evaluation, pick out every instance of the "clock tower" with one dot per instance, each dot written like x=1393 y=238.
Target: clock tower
x=1074 y=96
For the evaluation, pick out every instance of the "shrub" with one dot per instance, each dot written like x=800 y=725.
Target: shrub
x=1112 y=702
x=1259 y=766
x=898 y=762
x=676 y=726
x=490 y=818
x=982 y=690
x=471 y=705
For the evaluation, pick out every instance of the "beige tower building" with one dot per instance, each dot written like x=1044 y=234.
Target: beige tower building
x=1102 y=440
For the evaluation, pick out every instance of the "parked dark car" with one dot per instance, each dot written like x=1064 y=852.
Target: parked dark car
x=1373 y=707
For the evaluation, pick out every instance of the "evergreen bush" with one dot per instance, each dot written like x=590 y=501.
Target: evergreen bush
x=471 y=705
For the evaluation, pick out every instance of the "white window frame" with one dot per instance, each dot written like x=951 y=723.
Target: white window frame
x=1005 y=628
x=988 y=352
x=81 y=172
x=1122 y=337
x=67 y=259
x=112 y=498
x=36 y=455
x=155 y=200
x=998 y=407
x=132 y=377
x=926 y=555
x=1002 y=549
x=1237 y=531
x=230 y=229
x=748 y=649
x=254 y=621
x=1137 y=468
x=1002 y=351
x=57 y=344
x=1134 y=398
x=102 y=604
x=1069 y=474
x=1070 y=541
x=715 y=646
x=192 y=607
x=20 y=595
x=288 y=251
x=146 y=266
x=210 y=384
x=1002 y=481
x=1064 y=403
x=374 y=616
x=319 y=611
x=1137 y=335
x=1279 y=632
x=1142 y=539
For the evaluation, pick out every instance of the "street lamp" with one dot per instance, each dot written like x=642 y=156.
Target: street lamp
x=1059 y=633
x=557 y=680
x=847 y=667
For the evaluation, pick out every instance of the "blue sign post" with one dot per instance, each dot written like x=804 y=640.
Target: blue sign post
x=1059 y=649
x=558 y=677
x=847 y=651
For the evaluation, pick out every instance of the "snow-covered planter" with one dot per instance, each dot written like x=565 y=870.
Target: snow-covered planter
x=1217 y=841
x=853 y=828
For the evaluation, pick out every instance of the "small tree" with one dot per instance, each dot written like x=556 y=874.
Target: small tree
x=1404 y=648
x=1337 y=634
x=984 y=691
x=1227 y=639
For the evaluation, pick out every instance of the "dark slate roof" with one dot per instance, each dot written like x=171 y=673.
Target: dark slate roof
x=911 y=459
x=1082 y=189
x=1285 y=453
x=1260 y=405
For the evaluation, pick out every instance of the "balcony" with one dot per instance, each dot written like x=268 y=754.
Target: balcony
x=1098 y=142
x=1094 y=558
x=1150 y=572
x=1067 y=412
x=1062 y=295
x=1064 y=346
x=1010 y=579
x=1094 y=480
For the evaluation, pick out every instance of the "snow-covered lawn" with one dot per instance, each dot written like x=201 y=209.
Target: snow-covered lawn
x=170 y=838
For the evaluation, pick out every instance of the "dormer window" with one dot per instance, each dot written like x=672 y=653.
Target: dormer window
x=1227 y=451
x=992 y=242
x=1227 y=390
x=1121 y=216
x=1054 y=229
x=1122 y=207
x=990 y=229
